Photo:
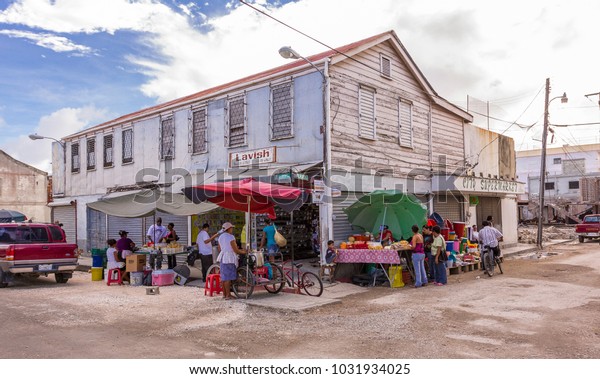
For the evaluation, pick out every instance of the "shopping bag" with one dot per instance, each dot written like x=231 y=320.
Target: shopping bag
x=279 y=239
x=395 y=273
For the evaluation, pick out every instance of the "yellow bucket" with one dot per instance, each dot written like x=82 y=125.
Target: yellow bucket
x=97 y=274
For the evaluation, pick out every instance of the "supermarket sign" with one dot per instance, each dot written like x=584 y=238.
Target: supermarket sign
x=248 y=158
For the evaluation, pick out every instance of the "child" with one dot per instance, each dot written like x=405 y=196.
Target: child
x=112 y=258
x=329 y=261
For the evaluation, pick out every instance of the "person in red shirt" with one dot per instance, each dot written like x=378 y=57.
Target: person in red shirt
x=386 y=236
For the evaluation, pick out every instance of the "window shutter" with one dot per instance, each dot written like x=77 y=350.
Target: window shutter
x=91 y=153
x=386 y=67
x=366 y=113
x=108 y=150
x=236 y=121
x=282 y=111
x=199 y=131
x=127 y=143
x=405 y=124
x=167 y=138
x=75 y=157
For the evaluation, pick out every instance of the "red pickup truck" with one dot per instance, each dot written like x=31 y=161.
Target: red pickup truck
x=35 y=249
x=590 y=228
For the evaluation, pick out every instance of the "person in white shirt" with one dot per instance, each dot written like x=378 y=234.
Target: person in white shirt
x=490 y=236
x=203 y=240
x=228 y=259
x=157 y=232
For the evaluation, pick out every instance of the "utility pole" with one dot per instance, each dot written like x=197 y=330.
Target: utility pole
x=543 y=166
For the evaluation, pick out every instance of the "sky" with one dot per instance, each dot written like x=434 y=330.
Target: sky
x=67 y=65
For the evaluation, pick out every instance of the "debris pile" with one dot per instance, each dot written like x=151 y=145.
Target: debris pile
x=529 y=234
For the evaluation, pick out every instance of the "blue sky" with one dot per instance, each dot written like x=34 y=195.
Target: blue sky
x=71 y=64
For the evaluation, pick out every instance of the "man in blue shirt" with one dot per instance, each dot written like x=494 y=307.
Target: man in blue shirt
x=268 y=238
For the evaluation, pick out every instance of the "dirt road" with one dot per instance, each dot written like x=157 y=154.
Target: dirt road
x=545 y=308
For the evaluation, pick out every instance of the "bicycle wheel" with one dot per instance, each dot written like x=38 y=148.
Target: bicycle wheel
x=244 y=285
x=499 y=265
x=489 y=263
x=278 y=280
x=311 y=284
x=213 y=269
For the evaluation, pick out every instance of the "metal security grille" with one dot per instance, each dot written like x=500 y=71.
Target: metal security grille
x=366 y=112
x=108 y=150
x=127 y=146
x=281 y=116
x=405 y=124
x=237 y=121
x=386 y=66
x=167 y=138
x=449 y=206
x=199 y=132
x=75 y=157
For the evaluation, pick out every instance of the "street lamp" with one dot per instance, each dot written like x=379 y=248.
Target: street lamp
x=35 y=137
x=326 y=231
x=542 y=189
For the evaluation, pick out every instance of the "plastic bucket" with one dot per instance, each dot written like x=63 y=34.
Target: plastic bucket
x=450 y=246
x=451 y=236
x=459 y=229
x=137 y=278
x=456 y=246
x=437 y=218
x=444 y=233
x=97 y=261
x=97 y=274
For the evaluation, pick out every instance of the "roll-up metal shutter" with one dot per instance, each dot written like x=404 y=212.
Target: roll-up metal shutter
x=96 y=229
x=132 y=225
x=341 y=226
x=489 y=206
x=449 y=206
x=67 y=215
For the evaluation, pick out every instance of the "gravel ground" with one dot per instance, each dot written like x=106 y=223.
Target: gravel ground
x=544 y=306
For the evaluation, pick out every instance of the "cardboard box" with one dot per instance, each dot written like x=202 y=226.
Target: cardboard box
x=135 y=262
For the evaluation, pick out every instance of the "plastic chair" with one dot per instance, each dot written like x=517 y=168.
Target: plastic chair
x=118 y=280
x=213 y=284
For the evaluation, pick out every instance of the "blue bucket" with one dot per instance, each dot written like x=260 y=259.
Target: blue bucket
x=450 y=246
x=97 y=261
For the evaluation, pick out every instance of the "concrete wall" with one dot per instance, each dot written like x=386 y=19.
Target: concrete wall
x=509 y=221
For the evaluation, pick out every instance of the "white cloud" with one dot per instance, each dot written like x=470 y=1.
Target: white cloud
x=49 y=41
x=56 y=125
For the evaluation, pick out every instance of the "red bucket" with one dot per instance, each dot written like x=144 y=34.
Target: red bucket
x=445 y=232
x=459 y=229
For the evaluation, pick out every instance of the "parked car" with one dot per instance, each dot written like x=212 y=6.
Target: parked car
x=35 y=249
x=590 y=228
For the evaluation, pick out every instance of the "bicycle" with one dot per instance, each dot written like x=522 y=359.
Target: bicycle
x=304 y=280
x=490 y=260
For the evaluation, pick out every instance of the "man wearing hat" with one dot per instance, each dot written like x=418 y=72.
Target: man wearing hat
x=228 y=259
x=124 y=245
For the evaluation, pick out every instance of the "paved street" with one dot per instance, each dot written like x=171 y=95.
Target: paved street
x=540 y=308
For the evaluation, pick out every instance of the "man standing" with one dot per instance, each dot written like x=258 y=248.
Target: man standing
x=268 y=239
x=489 y=236
x=205 y=248
x=157 y=232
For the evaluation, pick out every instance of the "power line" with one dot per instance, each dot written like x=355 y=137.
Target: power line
x=583 y=124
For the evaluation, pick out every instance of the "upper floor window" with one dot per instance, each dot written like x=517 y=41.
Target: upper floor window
x=91 y=153
x=405 y=123
x=127 y=143
x=366 y=113
x=75 y=157
x=557 y=161
x=282 y=110
x=574 y=185
x=167 y=138
x=236 y=121
x=108 y=150
x=199 y=131
x=386 y=66
x=549 y=185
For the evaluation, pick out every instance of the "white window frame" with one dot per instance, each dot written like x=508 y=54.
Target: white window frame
x=110 y=151
x=75 y=158
x=126 y=160
x=228 y=121
x=404 y=105
x=382 y=59
x=364 y=121
x=193 y=130
x=90 y=161
x=272 y=110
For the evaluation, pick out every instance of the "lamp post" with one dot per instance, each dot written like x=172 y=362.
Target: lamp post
x=326 y=216
x=36 y=137
x=542 y=189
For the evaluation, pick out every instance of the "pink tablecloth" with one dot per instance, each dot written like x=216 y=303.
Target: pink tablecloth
x=367 y=256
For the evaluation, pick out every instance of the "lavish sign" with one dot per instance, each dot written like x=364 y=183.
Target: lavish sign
x=247 y=158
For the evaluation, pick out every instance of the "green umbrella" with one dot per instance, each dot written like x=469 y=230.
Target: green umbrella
x=400 y=211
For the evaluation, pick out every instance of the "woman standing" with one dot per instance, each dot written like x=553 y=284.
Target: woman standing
x=124 y=245
x=171 y=234
x=228 y=259
x=437 y=248
x=427 y=240
x=418 y=257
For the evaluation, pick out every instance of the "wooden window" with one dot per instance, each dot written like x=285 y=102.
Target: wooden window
x=199 y=131
x=366 y=113
x=108 y=150
x=549 y=185
x=236 y=121
x=127 y=143
x=386 y=66
x=405 y=124
x=75 y=157
x=91 y=153
x=282 y=111
x=167 y=138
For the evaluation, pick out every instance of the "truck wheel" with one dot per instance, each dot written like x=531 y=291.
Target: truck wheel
x=581 y=239
x=2 y=283
x=60 y=278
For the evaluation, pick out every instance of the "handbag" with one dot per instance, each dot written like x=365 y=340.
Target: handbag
x=279 y=239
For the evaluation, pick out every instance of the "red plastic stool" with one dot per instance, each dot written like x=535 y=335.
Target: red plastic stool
x=213 y=284
x=110 y=279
